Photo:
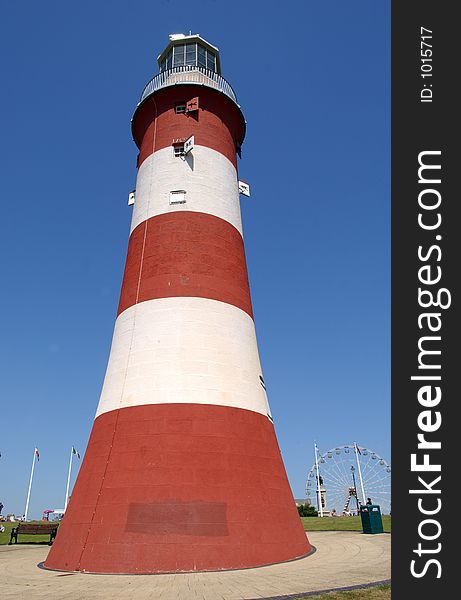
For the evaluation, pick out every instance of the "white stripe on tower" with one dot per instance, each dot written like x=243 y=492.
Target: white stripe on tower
x=208 y=178
x=184 y=350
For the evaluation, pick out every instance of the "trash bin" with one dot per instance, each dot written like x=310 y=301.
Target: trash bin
x=371 y=518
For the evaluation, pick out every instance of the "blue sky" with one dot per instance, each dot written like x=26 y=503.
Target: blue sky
x=313 y=81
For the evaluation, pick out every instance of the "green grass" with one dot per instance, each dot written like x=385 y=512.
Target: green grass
x=309 y=524
x=379 y=592
x=22 y=539
x=339 y=523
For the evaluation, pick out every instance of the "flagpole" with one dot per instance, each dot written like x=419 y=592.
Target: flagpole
x=30 y=485
x=68 y=478
x=319 y=495
x=360 y=472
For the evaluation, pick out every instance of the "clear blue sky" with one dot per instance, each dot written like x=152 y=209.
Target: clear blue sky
x=313 y=81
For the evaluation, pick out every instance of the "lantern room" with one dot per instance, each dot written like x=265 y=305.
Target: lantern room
x=189 y=51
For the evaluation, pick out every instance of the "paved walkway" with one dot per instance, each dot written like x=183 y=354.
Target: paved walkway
x=342 y=559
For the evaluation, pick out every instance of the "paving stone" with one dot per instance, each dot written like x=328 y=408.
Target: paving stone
x=342 y=559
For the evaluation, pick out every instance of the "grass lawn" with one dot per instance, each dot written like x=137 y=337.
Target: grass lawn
x=309 y=524
x=339 y=523
x=380 y=592
x=22 y=539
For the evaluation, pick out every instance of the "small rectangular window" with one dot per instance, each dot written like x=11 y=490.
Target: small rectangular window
x=178 y=150
x=180 y=108
x=177 y=197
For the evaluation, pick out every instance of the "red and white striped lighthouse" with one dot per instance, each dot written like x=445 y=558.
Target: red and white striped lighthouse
x=182 y=470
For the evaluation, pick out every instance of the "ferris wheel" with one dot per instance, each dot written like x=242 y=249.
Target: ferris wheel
x=346 y=476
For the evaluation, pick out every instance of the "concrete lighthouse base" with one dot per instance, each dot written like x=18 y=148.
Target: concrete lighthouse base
x=179 y=487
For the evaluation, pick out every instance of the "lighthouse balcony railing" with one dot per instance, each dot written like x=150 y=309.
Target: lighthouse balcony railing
x=188 y=74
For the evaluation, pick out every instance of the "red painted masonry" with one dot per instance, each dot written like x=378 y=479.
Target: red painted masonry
x=186 y=254
x=179 y=487
x=218 y=124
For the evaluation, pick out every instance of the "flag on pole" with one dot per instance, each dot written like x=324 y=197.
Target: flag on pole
x=37 y=454
x=74 y=451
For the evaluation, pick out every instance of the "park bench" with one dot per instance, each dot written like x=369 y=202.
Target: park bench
x=34 y=529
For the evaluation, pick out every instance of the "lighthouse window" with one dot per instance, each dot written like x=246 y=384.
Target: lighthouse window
x=178 y=55
x=211 y=61
x=178 y=150
x=201 y=57
x=191 y=54
x=180 y=108
x=178 y=197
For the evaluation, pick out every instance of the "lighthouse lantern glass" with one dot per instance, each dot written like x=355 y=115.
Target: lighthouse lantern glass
x=201 y=57
x=189 y=55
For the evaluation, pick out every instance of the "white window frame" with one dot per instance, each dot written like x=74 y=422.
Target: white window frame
x=180 y=197
x=178 y=150
x=180 y=109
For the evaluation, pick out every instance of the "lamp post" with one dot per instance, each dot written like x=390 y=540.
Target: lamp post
x=355 y=489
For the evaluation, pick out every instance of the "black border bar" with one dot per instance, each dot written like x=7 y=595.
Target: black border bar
x=426 y=360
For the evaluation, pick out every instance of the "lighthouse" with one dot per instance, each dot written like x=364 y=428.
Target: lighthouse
x=183 y=471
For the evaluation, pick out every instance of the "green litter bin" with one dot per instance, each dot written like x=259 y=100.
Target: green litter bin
x=371 y=518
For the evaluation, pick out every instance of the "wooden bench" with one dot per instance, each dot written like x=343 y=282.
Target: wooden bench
x=50 y=529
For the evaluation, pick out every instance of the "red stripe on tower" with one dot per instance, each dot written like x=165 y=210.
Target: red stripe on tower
x=218 y=124
x=186 y=254
x=183 y=452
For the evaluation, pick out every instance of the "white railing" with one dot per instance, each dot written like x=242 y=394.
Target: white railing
x=185 y=74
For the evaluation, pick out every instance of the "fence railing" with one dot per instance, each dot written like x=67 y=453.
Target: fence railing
x=188 y=74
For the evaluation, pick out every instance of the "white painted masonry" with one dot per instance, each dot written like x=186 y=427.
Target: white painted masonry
x=184 y=350
x=207 y=176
